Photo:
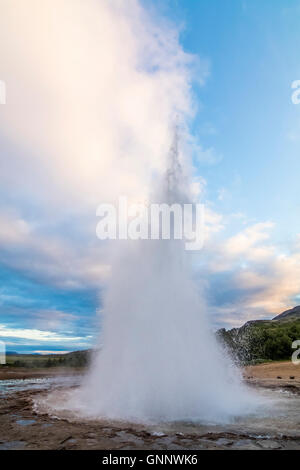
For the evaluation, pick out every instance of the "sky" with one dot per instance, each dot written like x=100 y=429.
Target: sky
x=91 y=90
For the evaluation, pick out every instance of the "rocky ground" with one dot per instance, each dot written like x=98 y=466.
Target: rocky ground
x=22 y=428
x=22 y=373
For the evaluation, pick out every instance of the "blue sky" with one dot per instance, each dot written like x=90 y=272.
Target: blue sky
x=246 y=134
x=246 y=113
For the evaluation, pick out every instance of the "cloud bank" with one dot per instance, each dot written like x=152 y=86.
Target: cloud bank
x=250 y=276
x=93 y=89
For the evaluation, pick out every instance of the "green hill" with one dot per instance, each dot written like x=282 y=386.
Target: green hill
x=262 y=340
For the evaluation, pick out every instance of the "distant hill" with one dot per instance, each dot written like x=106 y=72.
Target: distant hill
x=293 y=313
x=72 y=359
x=260 y=340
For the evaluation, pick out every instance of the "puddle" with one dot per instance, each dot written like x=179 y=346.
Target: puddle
x=12 y=445
x=25 y=422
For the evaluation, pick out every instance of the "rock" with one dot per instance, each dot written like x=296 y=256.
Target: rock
x=268 y=444
x=246 y=444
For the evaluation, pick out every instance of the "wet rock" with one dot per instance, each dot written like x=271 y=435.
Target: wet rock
x=245 y=444
x=269 y=444
x=12 y=445
x=224 y=442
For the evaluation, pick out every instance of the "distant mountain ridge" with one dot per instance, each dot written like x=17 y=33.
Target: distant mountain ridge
x=289 y=314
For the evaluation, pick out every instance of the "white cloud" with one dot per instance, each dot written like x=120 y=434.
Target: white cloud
x=90 y=101
x=93 y=89
x=247 y=243
x=53 y=258
x=44 y=353
x=36 y=335
x=255 y=278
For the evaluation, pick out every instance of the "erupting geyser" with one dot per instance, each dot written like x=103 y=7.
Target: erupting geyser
x=159 y=359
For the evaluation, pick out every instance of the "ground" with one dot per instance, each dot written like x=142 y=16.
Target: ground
x=11 y=373
x=22 y=428
x=271 y=371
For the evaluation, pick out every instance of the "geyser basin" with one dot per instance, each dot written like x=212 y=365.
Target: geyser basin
x=159 y=360
x=276 y=413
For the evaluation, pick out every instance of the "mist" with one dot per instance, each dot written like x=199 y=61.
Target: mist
x=159 y=359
